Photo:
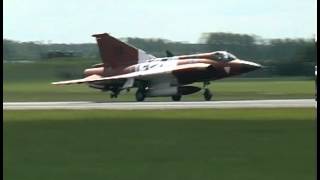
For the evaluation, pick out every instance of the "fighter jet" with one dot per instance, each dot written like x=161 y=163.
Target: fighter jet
x=124 y=67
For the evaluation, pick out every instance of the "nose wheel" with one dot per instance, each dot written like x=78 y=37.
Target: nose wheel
x=207 y=94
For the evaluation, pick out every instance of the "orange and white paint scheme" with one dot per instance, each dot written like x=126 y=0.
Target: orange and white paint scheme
x=124 y=67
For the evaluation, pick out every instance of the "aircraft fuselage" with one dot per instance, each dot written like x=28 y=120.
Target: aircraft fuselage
x=215 y=70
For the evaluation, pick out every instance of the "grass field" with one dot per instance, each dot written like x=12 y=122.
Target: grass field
x=208 y=144
x=223 y=90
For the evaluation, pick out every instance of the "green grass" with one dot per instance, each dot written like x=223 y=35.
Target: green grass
x=223 y=90
x=31 y=82
x=228 y=144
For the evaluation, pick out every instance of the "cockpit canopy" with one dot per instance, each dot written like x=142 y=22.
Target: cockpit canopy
x=223 y=56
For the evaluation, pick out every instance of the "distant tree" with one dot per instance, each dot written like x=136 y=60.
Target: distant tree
x=282 y=56
x=8 y=49
x=221 y=38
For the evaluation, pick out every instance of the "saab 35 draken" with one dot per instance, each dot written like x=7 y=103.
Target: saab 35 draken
x=124 y=67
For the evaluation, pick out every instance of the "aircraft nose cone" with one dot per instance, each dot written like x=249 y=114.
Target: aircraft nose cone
x=242 y=66
x=250 y=66
x=247 y=66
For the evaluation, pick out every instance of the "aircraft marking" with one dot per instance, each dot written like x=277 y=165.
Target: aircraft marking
x=227 y=69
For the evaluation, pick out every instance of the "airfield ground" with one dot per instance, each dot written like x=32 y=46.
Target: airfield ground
x=160 y=144
x=223 y=90
x=273 y=143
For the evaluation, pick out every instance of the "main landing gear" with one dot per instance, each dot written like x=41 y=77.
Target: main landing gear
x=114 y=92
x=114 y=95
x=207 y=94
x=176 y=97
x=140 y=94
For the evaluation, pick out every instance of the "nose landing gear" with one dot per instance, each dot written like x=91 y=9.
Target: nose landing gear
x=207 y=94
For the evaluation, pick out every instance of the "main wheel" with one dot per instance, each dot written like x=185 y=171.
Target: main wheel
x=176 y=97
x=113 y=95
x=207 y=95
x=140 y=95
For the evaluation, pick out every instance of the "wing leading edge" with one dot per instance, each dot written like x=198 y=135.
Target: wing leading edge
x=140 y=75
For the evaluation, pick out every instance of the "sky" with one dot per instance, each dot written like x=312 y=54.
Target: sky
x=74 y=21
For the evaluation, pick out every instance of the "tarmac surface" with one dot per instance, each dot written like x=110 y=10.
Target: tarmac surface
x=161 y=105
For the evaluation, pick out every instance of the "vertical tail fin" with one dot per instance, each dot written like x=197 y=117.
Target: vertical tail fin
x=115 y=53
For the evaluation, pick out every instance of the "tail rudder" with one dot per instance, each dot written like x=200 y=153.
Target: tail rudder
x=115 y=53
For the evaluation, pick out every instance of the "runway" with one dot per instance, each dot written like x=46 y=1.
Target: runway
x=160 y=105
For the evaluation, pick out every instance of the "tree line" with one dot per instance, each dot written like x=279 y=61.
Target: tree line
x=287 y=57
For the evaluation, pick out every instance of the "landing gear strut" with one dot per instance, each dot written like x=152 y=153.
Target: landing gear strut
x=207 y=94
